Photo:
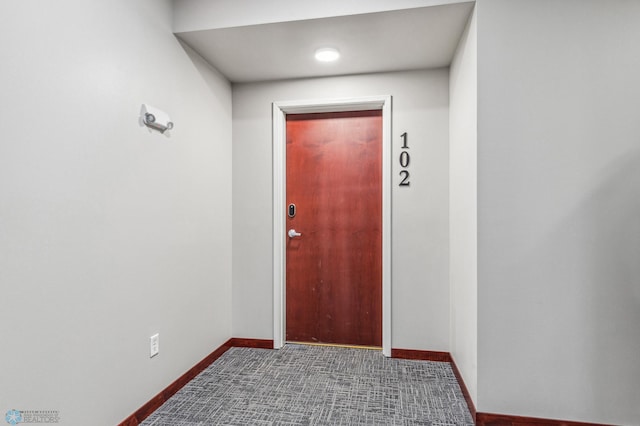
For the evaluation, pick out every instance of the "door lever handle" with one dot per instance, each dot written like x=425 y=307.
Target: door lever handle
x=292 y=233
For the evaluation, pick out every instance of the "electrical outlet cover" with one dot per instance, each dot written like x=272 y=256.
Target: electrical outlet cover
x=154 y=345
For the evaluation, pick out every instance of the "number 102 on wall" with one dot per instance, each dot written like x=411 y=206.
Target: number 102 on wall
x=405 y=159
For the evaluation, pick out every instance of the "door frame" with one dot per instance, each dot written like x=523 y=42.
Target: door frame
x=280 y=111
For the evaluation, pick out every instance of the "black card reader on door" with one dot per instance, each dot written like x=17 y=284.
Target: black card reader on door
x=292 y=210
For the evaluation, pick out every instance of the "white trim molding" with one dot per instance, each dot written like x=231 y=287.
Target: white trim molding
x=280 y=110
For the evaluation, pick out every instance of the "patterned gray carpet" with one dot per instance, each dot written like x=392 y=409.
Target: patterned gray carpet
x=312 y=385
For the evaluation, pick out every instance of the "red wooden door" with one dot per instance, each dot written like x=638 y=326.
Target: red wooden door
x=334 y=268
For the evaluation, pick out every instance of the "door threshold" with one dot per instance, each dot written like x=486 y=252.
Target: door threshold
x=336 y=345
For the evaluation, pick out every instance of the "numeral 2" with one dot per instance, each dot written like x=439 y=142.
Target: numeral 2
x=405 y=178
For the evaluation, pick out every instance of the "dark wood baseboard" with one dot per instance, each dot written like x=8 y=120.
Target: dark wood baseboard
x=239 y=342
x=154 y=403
x=463 y=388
x=421 y=355
x=487 y=419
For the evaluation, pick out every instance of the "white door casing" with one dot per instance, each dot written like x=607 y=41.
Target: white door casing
x=280 y=110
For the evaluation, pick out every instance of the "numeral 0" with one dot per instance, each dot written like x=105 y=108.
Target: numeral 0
x=404 y=159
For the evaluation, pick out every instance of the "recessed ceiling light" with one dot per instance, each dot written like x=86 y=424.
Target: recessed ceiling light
x=327 y=54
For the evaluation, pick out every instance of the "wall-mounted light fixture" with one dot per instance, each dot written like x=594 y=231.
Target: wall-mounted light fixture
x=156 y=119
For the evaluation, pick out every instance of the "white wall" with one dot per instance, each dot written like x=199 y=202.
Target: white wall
x=463 y=224
x=108 y=232
x=194 y=15
x=420 y=300
x=559 y=209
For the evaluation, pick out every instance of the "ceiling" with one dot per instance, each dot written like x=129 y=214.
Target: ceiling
x=398 y=40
